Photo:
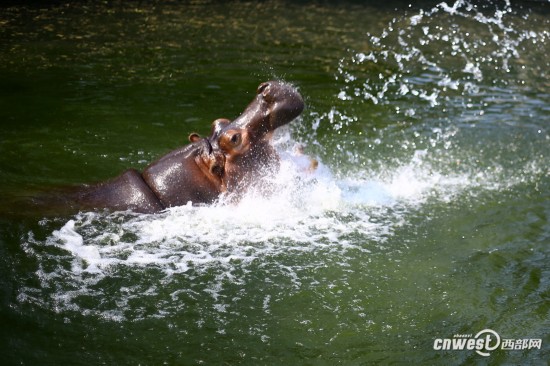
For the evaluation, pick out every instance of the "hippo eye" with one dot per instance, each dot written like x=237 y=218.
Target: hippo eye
x=235 y=139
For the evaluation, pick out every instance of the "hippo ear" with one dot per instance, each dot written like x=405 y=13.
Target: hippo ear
x=194 y=137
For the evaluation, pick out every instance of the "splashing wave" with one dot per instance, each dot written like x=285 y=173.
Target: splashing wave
x=309 y=213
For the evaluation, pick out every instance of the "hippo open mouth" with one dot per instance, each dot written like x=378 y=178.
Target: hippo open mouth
x=246 y=142
x=276 y=104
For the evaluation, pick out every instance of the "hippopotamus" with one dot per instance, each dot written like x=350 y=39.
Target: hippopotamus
x=234 y=156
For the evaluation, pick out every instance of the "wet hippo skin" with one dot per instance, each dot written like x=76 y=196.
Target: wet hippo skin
x=234 y=156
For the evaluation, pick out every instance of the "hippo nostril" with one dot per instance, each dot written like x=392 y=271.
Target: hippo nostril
x=262 y=87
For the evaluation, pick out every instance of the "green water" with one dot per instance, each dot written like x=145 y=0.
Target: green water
x=430 y=217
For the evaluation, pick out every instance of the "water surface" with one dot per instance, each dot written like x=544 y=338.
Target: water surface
x=428 y=217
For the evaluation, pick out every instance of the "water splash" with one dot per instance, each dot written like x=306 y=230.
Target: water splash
x=90 y=263
x=310 y=214
x=443 y=52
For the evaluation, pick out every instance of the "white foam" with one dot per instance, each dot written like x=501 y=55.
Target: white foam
x=74 y=243
x=299 y=211
x=308 y=212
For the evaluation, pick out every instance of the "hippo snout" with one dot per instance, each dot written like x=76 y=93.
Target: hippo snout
x=276 y=104
x=284 y=102
x=276 y=91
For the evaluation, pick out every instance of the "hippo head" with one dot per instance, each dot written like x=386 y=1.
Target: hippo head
x=246 y=141
x=232 y=157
